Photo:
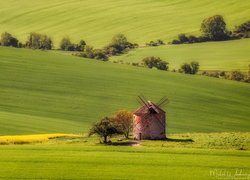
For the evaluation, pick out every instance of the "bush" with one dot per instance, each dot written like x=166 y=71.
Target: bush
x=183 y=38
x=191 y=68
x=39 y=41
x=215 y=28
x=8 y=40
x=237 y=75
x=66 y=45
x=156 y=62
x=242 y=31
x=118 y=45
x=157 y=43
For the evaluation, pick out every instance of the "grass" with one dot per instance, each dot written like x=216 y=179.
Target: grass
x=44 y=92
x=224 y=56
x=96 y=22
x=85 y=161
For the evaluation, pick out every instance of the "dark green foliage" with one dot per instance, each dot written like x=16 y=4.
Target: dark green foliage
x=243 y=30
x=92 y=53
x=183 y=38
x=156 y=62
x=191 y=68
x=118 y=45
x=215 y=28
x=104 y=128
x=237 y=75
x=8 y=40
x=39 y=41
x=67 y=45
x=157 y=43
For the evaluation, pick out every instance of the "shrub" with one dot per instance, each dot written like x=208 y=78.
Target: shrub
x=237 y=75
x=157 y=43
x=156 y=62
x=8 y=40
x=118 y=45
x=123 y=121
x=191 y=68
x=39 y=41
x=66 y=45
x=215 y=28
x=104 y=128
x=243 y=30
x=183 y=38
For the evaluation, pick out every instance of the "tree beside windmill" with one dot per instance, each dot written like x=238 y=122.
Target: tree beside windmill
x=149 y=120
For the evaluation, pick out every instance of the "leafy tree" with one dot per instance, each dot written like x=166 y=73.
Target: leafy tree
x=123 y=121
x=242 y=30
x=104 y=128
x=39 y=41
x=66 y=44
x=118 y=45
x=191 y=68
x=183 y=38
x=156 y=62
x=215 y=28
x=237 y=75
x=8 y=40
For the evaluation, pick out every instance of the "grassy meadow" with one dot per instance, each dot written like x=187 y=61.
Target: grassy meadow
x=95 y=22
x=50 y=99
x=43 y=92
x=223 y=56
x=83 y=158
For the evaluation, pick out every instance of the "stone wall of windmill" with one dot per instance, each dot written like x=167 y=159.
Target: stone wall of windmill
x=149 y=122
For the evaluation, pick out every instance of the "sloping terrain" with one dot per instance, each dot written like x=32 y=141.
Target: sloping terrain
x=97 y=21
x=45 y=92
x=225 y=56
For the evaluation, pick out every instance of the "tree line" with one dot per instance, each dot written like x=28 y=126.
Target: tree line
x=118 y=45
x=214 y=29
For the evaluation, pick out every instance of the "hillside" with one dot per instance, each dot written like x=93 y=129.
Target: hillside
x=44 y=92
x=97 y=21
x=226 y=56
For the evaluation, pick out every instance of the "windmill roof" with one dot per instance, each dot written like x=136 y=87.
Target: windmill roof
x=145 y=109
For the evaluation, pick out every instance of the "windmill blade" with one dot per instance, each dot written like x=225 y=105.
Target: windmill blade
x=144 y=102
x=159 y=102
x=164 y=102
x=144 y=98
x=139 y=101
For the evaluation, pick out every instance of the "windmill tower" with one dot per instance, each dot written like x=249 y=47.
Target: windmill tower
x=150 y=120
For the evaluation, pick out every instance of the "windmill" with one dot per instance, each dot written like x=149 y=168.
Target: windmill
x=150 y=119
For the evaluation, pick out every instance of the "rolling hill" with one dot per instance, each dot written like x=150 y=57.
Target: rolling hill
x=45 y=92
x=224 y=56
x=97 y=21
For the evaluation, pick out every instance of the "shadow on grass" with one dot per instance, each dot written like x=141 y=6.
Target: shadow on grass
x=178 y=140
x=122 y=143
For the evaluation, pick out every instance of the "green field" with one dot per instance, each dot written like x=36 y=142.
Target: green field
x=74 y=161
x=43 y=92
x=84 y=158
x=96 y=22
x=226 y=56
x=49 y=99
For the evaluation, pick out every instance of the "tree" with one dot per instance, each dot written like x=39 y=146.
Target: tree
x=39 y=41
x=156 y=62
x=8 y=40
x=215 y=28
x=183 y=38
x=66 y=44
x=191 y=68
x=104 y=128
x=237 y=75
x=242 y=30
x=123 y=121
x=118 y=45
